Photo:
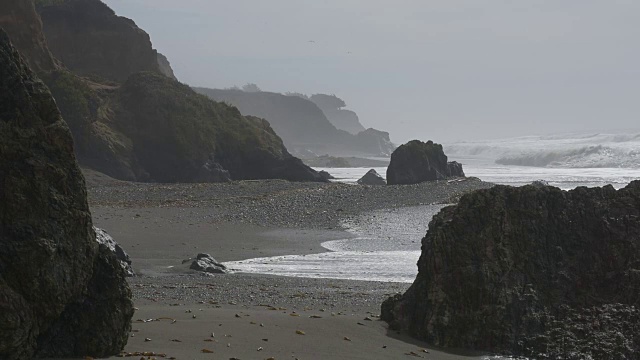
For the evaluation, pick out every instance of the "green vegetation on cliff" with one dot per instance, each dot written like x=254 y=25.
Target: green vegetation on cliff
x=175 y=131
x=302 y=125
x=75 y=99
x=127 y=119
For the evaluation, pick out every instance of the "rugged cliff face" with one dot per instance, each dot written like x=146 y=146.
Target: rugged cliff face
x=61 y=294
x=301 y=124
x=416 y=161
x=176 y=134
x=20 y=20
x=332 y=107
x=534 y=270
x=141 y=125
x=91 y=40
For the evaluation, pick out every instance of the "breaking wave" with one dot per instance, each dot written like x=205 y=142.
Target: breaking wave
x=566 y=151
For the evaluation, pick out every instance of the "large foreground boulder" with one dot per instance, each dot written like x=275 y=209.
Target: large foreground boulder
x=534 y=271
x=417 y=161
x=61 y=293
x=123 y=258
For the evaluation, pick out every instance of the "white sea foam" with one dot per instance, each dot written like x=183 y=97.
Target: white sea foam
x=560 y=151
x=386 y=248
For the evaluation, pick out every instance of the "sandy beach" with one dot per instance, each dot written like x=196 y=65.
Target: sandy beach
x=186 y=315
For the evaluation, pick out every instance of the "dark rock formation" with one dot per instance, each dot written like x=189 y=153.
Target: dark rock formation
x=177 y=135
x=372 y=178
x=123 y=258
x=325 y=175
x=91 y=40
x=301 y=124
x=61 y=293
x=20 y=20
x=332 y=107
x=416 y=161
x=206 y=263
x=534 y=270
x=454 y=169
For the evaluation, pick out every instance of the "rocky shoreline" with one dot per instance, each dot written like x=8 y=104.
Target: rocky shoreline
x=161 y=224
x=276 y=203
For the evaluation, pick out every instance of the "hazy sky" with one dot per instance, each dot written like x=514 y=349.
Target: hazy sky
x=442 y=69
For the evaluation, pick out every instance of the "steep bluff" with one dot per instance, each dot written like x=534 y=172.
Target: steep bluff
x=20 y=20
x=534 y=271
x=91 y=40
x=61 y=294
x=112 y=133
x=176 y=134
x=301 y=124
x=332 y=107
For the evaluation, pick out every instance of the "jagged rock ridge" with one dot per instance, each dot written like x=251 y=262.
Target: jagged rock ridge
x=534 y=271
x=61 y=293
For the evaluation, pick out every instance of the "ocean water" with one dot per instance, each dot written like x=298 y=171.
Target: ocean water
x=386 y=243
x=565 y=161
x=386 y=247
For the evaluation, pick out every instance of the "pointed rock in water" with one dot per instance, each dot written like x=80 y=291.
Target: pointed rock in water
x=530 y=270
x=372 y=178
x=416 y=162
x=123 y=258
x=61 y=293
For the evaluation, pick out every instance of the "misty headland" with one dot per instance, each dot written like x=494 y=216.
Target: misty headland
x=288 y=222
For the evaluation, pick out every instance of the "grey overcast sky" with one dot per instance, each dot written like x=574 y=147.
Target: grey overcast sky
x=445 y=70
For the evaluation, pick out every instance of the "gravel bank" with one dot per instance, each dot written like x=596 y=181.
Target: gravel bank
x=277 y=203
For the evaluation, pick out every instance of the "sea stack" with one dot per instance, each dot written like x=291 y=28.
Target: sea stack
x=61 y=293
x=533 y=271
x=417 y=161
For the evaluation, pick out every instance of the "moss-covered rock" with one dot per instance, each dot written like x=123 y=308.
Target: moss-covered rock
x=176 y=132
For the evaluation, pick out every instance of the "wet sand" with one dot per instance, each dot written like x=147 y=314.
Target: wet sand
x=160 y=225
